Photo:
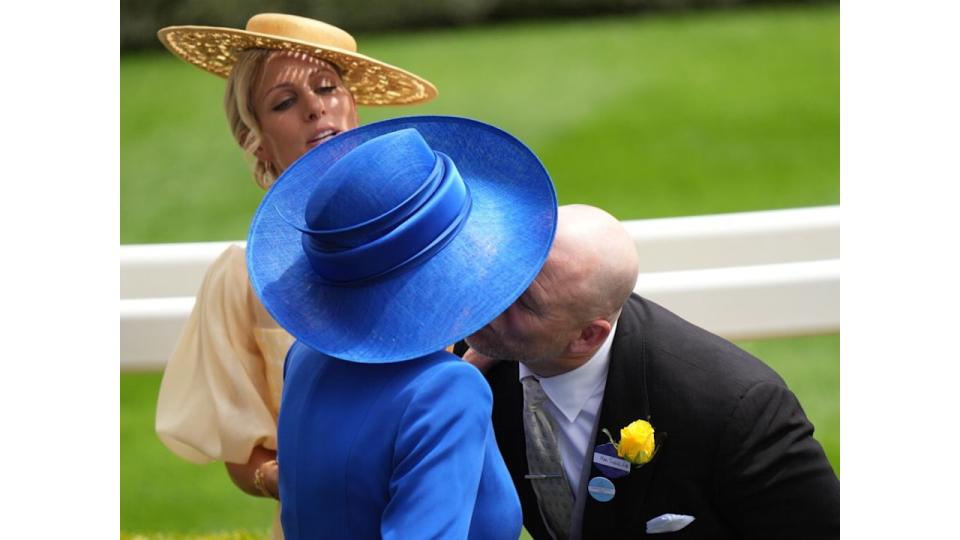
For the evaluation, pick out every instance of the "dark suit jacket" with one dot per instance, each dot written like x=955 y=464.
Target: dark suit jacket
x=738 y=454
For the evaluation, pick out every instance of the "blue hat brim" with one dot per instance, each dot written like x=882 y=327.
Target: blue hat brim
x=451 y=295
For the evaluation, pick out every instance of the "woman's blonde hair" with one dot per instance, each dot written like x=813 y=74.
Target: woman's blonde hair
x=238 y=102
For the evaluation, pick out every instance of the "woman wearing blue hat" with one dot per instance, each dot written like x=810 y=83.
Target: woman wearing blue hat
x=292 y=84
x=376 y=250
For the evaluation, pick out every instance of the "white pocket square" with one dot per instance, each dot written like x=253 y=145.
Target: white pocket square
x=668 y=523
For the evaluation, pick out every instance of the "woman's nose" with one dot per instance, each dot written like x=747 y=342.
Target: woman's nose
x=315 y=107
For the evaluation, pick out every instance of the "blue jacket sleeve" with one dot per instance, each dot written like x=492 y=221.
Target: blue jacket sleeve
x=439 y=454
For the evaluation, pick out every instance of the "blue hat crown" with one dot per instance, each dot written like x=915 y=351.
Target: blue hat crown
x=388 y=204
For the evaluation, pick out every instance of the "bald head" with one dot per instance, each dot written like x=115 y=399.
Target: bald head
x=593 y=263
x=569 y=310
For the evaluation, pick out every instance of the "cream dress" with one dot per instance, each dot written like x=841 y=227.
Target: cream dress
x=221 y=388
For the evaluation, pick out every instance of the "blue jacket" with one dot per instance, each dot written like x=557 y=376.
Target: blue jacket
x=403 y=450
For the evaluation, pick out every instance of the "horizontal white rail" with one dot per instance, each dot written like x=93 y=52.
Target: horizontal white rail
x=162 y=270
x=747 y=302
x=752 y=302
x=149 y=328
x=744 y=276
x=682 y=243
x=768 y=237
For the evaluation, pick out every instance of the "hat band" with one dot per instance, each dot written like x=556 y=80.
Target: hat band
x=427 y=222
x=362 y=233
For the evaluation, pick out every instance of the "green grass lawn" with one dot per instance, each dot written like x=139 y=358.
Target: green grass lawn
x=645 y=116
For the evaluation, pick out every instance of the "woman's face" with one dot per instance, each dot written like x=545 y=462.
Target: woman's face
x=300 y=102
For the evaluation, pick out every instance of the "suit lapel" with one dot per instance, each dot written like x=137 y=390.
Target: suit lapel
x=625 y=399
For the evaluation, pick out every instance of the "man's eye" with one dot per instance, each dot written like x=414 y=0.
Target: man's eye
x=284 y=105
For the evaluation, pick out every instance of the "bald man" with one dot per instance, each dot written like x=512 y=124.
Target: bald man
x=735 y=457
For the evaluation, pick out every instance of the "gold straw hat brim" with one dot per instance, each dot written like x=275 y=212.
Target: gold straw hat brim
x=371 y=81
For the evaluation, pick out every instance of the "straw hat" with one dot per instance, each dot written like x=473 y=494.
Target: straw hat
x=371 y=81
x=395 y=239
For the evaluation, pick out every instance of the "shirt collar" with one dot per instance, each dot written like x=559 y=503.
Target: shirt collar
x=570 y=391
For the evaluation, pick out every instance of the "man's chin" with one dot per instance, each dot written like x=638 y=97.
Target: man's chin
x=476 y=344
x=483 y=346
x=496 y=350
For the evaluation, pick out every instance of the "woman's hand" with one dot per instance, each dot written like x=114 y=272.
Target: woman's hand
x=260 y=476
x=267 y=479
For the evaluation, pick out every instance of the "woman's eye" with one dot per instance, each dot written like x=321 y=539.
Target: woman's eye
x=284 y=105
x=325 y=89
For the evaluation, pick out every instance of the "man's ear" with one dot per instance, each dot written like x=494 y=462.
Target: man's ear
x=591 y=337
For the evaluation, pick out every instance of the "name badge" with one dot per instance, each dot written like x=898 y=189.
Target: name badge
x=606 y=459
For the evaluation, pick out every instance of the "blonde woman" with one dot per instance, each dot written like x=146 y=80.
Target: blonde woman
x=292 y=84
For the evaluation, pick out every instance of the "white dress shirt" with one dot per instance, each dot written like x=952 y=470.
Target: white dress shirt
x=573 y=401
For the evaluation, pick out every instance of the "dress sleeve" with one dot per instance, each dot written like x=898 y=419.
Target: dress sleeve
x=439 y=456
x=214 y=402
x=775 y=481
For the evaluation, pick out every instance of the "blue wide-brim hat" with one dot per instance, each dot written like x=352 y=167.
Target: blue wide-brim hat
x=393 y=240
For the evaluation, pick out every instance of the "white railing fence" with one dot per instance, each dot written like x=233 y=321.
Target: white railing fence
x=750 y=275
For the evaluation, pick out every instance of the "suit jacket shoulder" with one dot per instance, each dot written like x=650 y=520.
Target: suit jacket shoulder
x=680 y=363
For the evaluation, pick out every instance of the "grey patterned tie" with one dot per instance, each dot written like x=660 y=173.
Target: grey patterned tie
x=543 y=461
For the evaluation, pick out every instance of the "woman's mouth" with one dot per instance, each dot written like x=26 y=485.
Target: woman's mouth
x=322 y=137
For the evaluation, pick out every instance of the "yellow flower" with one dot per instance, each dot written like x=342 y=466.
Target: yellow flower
x=636 y=442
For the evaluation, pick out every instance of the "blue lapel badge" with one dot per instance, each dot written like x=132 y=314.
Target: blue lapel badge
x=601 y=489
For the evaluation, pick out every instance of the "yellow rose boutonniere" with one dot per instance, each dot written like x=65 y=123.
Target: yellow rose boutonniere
x=637 y=442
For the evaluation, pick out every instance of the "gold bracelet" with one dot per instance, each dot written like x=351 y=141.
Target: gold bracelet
x=258 y=480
